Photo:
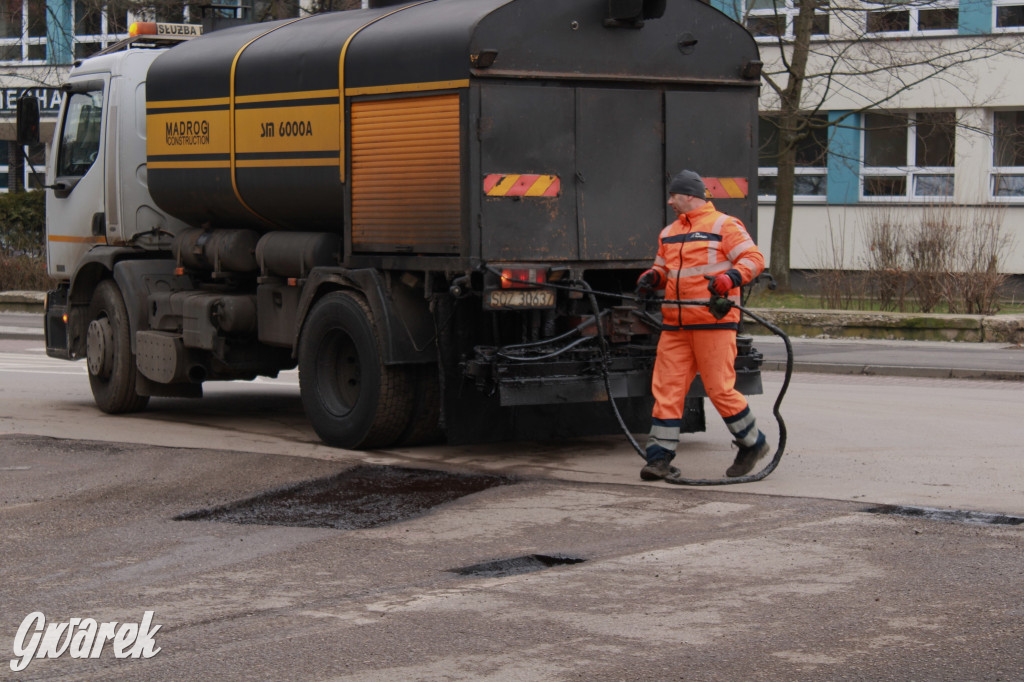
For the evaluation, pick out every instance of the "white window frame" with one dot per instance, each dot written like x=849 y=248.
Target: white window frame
x=996 y=4
x=24 y=41
x=996 y=171
x=772 y=172
x=26 y=171
x=913 y=9
x=1011 y=171
x=104 y=38
x=788 y=9
x=5 y=168
x=913 y=174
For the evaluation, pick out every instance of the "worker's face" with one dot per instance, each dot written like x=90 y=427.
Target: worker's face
x=684 y=203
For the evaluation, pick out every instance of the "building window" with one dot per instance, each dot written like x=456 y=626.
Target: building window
x=98 y=26
x=23 y=31
x=1009 y=15
x=908 y=155
x=774 y=18
x=811 y=179
x=1008 y=154
x=5 y=167
x=29 y=179
x=268 y=10
x=911 y=18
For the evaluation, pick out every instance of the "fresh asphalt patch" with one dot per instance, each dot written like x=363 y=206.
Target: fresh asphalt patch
x=364 y=496
x=947 y=515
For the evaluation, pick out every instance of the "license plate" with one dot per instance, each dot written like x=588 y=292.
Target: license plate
x=521 y=298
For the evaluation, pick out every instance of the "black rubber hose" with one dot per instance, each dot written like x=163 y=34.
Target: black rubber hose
x=605 y=359
x=547 y=356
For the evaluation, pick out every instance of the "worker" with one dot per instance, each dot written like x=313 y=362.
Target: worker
x=703 y=251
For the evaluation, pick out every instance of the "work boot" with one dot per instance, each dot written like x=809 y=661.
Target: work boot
x=747 y=457
x=658 y=469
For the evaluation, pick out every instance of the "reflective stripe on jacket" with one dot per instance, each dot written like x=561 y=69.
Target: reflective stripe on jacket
x=703 y=242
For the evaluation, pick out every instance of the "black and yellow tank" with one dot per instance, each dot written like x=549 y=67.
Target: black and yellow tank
x=490 y=129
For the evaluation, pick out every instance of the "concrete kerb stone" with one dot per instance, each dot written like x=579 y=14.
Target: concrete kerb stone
x=893 y=326
x=1008 y=328
x=22 y=301
x=895 y=370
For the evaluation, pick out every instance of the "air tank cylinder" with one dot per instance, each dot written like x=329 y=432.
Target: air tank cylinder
x=217 y=250
x=294 y=254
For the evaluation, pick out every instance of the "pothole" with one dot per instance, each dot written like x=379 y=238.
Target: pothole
x=950 y=515
x=515 y=566
x=364 y=496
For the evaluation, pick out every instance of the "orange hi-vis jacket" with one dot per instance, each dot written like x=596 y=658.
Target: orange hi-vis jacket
x=703 y=242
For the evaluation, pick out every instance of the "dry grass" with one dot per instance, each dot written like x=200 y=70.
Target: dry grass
x=24 y=273
x=946 y=262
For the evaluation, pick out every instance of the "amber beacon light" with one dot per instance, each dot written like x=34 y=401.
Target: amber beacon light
x=164 y=30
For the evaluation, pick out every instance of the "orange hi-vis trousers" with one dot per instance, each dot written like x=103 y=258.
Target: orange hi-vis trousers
x=681 y=354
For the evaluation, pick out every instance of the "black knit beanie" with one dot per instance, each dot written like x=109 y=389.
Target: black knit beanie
x=687 y=182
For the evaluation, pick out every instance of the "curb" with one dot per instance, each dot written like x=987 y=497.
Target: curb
x=842 y=324
x=894 y=371
x=22 y=301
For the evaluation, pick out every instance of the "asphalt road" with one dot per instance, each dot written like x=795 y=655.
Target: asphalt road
x=668 y=583
x=793 y=578
x=881 y=438
x=928 y=359
x=21 y=325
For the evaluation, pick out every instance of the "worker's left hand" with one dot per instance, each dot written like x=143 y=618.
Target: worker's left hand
x=722 y=283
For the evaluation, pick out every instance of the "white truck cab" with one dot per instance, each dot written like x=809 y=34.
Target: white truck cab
x=97 y=170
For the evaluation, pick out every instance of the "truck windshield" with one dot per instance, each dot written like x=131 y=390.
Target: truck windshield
x=80 y=141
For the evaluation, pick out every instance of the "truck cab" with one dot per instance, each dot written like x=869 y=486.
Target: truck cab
x=97 y=181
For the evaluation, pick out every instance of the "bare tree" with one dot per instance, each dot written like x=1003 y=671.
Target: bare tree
x=811 y=64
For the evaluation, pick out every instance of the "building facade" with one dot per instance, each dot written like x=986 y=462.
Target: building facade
x=927 y=123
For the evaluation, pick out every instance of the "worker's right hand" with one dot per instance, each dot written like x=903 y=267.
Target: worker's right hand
x=648 y=281
x=720 y=285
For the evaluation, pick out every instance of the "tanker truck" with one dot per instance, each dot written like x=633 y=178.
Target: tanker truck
x=436 y=210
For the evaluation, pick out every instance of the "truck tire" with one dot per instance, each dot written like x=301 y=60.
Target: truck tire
x=112 y=368
x=425 y=423
x=351 y=397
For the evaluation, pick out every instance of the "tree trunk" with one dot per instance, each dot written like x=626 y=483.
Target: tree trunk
x=782 y=224
x=791 y=128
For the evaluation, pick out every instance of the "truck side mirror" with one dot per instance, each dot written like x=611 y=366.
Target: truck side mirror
x=28 y=120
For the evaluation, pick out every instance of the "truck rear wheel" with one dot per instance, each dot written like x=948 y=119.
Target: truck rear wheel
x=424 y=424
x=112 y=369
x=351 y=397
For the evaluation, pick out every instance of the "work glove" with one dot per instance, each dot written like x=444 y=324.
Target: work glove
x=721 y=284
x=648 y=281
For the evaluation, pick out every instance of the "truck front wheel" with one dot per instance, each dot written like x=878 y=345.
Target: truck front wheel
x=351 y=397
x=112 y=370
